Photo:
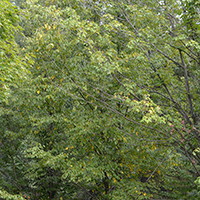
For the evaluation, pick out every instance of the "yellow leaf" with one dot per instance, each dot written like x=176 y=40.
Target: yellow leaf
x=134 y=54
x=38 y=91
x=124 y=139
x=67 y=148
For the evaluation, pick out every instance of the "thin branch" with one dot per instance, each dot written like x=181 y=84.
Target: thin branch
x=175 y=139
x=194 y=165
x=10 y=180
x=187 y=87
x=156 y=168
x=183 y=51
x=115 y=77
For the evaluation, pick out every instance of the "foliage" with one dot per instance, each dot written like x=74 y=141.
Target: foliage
x=12 y=65
x=110 y=109
x=6 y=195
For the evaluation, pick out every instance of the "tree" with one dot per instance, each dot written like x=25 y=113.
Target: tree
x=13 y=70
x=113 y=99
x=12 y=65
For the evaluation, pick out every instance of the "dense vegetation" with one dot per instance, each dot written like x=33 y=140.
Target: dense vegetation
x=99 y=99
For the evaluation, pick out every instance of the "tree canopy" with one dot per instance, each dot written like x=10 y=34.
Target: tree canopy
x=103 y=99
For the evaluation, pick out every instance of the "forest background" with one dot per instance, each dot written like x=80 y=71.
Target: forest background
x=99 y=99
